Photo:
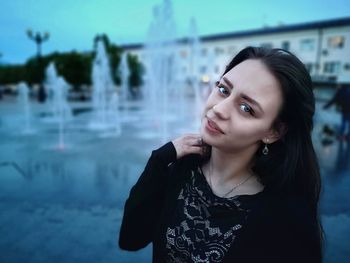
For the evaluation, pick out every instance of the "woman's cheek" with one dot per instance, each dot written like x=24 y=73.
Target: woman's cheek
x=245 y=128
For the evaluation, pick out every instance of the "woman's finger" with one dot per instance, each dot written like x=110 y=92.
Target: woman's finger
x=195 y=141
x=195 y=150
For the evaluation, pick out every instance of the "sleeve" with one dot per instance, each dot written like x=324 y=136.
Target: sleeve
x=144 y=204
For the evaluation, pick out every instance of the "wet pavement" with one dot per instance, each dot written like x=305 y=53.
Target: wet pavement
x=66 y=205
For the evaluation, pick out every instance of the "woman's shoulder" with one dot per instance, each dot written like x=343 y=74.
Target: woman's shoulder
x=187 y=162
x=167 y=154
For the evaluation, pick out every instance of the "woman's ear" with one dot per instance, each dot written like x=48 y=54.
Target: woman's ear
x=277 y=132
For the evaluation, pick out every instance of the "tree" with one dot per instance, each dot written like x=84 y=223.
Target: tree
x=12 y=74
x=136 y=71
x=75 y=67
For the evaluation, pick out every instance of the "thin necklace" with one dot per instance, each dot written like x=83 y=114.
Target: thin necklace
x=233 y=188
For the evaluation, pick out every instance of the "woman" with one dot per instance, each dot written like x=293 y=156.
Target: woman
x=246 y=189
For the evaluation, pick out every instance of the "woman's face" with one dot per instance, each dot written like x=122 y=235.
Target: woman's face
x=247 y=100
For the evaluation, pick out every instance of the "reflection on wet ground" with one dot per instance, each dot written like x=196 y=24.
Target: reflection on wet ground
x=66 y=206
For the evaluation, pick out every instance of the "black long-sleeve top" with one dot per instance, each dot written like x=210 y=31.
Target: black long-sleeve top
x=280 y=228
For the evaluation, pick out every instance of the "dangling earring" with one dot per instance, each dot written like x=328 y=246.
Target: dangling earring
x=265 y=151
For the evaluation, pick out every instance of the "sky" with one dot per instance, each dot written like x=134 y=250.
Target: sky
x=73 y=24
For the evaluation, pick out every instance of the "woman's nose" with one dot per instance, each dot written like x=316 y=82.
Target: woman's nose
x=221 y=110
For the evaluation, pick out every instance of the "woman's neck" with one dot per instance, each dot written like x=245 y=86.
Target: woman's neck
x=226 y=167
x=226 y=171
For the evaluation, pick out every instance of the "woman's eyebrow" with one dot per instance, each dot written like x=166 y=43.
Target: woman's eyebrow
x=252 y=101
x=244 y=96
x=229 y=83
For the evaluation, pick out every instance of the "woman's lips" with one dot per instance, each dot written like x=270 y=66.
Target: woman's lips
x=212 y=126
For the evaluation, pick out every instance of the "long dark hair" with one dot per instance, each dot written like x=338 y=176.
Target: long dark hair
x=291 y=164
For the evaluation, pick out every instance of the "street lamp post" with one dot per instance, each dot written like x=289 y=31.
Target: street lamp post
x=39 y=39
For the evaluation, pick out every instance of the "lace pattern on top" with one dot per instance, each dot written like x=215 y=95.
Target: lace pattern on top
x=204 y=225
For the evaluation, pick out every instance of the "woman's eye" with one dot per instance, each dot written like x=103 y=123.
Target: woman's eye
x=223 y=90
x=246 y=108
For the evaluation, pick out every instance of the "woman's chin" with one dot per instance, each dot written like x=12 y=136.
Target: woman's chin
x=202 y=131
x=206 y=138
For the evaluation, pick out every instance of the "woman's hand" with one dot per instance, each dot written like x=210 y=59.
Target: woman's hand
x=189 y=144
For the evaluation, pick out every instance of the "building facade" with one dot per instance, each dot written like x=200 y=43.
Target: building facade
x=323 y=46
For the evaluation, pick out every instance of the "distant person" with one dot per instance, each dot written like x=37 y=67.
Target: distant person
x=246 y=189
x=342 y=99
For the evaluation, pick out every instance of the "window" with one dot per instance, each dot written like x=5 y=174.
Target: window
x=204 y=51
x=336 y=42
x=231 y=49
x=203 y=69
x=219 y=51
x=266 y=45
x=307 y=44
x=183 y=53
x=285 y=45
x=331 y=67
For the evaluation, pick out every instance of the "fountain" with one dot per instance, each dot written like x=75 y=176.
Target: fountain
x=23 y=91
x=195 y=56
x=105 y=109
x=57 y=89
x=160 y=51
x=113 y=116
x=64 y=111
x=124 y=73
x=125 y=93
